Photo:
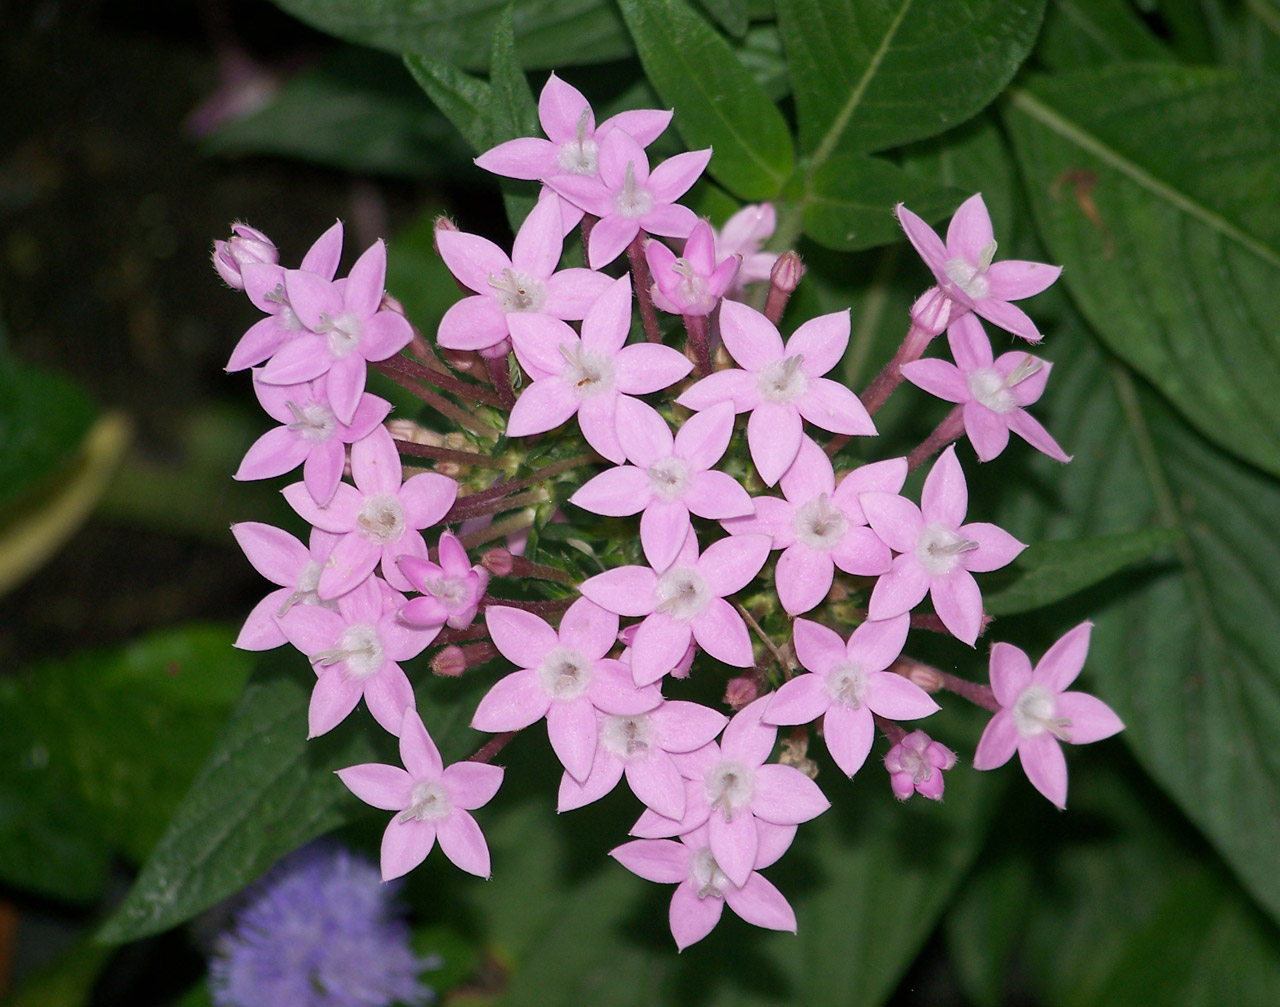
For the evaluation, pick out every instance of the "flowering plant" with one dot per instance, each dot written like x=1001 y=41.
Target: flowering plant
x=691 y=475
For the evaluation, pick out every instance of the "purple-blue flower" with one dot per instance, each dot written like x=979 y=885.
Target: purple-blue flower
x=320 y=929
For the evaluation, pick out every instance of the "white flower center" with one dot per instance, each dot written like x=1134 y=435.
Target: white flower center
x=972 y=277
x=579 y=156
x=429 y=802
x=669 y=478
x=305 y=591
x=988 y=387
x=1034 y=711
x=360 y=647
x=691 y=291
x=382 y=519
x=565 y=673
x=820 y=524
x=313 y=421
x=783 y=381
x=847 y=683
x=682 y=593
x=587 y=373
x=452 y=592
x=916 y=762
x=632 y=200
x=706 y=872
x=517 y=291
x=628 y=737
x=344 y=333
x=730 y=785
x=938 y=549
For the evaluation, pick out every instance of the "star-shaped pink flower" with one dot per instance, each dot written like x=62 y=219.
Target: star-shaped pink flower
x=693 y=283
x=285 y=561
x=685 y=602
x=433 y=801
x=1037 y=713
x=992 y=392
x=586 y=376
x=744 y=234
x=778 y=385
x=564 y=676
x=821 y=526
x=967 y=278
x=669 y=478
x=451 y=589
x=525 y=283
x=847 y=684
x=936 y=552
x=703 y=889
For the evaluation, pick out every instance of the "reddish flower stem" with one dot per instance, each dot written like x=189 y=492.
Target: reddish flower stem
x=699 y=329
x=642 y=281
x=463 y=509
x=894 y=732
x=513 y=524
x=540 y=608
x=500 y=376
x=493 y=746
x=502 y=563
x=979 y=695
x=540 y=476
x=589 y=222
x=448 y=635
x=439 y=403
x=951 y=427
x=883 y=384
x=445 y=382
x=443 y=454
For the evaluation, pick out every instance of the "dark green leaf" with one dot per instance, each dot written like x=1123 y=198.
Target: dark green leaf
x=1048 y=572
x=515 y=113
x=466 y=101
x=1172 y=250
x=718 y=103
x=357 y=111
x=551 y=33
x=873 y=74
x=850 y=204
x=1095 y=32
x=731 y=15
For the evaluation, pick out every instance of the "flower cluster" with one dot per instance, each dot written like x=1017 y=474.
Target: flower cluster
x=722 y=569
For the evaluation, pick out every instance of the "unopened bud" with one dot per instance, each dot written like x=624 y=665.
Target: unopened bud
x=391 y=304
x=741 y=691
x=443 y=223
x=932 y=311
x=407 y=430
x=787 y=272
x=929 y=679
x=247 y=246
x=498 y=561
x=450 y=662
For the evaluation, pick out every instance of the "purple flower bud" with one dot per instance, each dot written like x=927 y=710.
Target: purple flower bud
x=741 y=691
x=247 y=246
x=916 y=765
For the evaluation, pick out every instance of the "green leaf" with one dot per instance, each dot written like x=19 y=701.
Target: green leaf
x=1172 y=250
x=1081 y=33
x=466 y=101
x=718 y=102
x=265 y=790
x=551 y=33
x=1047 y=572
x=1188 y=657
x=851 y=200
x=873 y=74
x=93 y=764
x=356 y=111
x=515 y=113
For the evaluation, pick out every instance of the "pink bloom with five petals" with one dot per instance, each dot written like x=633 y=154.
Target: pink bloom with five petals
x=283 y=560
x=693 y=283
x=451 y=589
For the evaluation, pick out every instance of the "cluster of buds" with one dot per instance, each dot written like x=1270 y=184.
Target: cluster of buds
x=699 y=588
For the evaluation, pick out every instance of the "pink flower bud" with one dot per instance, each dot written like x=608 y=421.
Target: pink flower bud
x=787 y=272
x=450 y=662
x=916 y=765
x=247 y=246
x=932 y=311
x=443 y=223
x=741 y=691
x=498 y=562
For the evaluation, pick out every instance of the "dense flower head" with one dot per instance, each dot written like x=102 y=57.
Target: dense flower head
x=320 y=929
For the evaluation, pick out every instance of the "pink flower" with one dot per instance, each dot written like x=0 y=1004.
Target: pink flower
x=936 y=551
x=587 y=376
x=564 y=676
x=626 y=197
x=967 y=278
x=669 y=478
x=379 y=519
x=744 y=234
x=993 y=392
x=451 y=590
x=916 y=764
x=1036 y=714
x=821 y=527
x=526 y=283
x=693 y=283
x=263 y=282
x=354 y=652
x=573 y=147
x=640 y=745
x=778 y=385
x=742 y=800
x=685 y=602
x=285 y=561
x=702 y=888
x=848 y=683
x=348 y=329
x=311 y=435
x=434 y=801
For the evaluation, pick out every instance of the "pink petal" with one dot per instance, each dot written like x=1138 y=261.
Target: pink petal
x=643 y=433
x=587 y=627
x=302 y=359
x=876 y=644
x=384 y=335
x=663 y=529
x=538 y=242
x=417 y=751
x=609 y=238
x=945 y=497
x=669 y=220
x=810 y=474
x=785 y=796
x=969 y=344
x=541 y=342
x=260 y=631
x=560 y=111
x=572 y=292
x=389 y=695
x=1008 y=317
x=659 y=860
x=616 y=492
x=626 y=590
x=521 y=637
x=988 y=431
x=471 y=259
x=675 y=176
x=262 y=339
x=751 y=339
x=346 y=385
x=542 y=406
x=472 y=784
x=818 y=648
x=426 y=498
x=761 y=904
x=703 y=438
x=926 y=242
x=884 y=476
x=608 y=323
x=375 y=464
x=389 y=788
x=333 y=697
x=473 y=323
x=644 y=125
x=642 y=368
x=1091 y=718
x=733 y=844
x=747 y=738
x=571 y=727
x=462 y=842
x=998 y=743
x=938 y=377
x=730 y=564
x=969 y=232
x=684 y=726
x=773 y=435
x=312 y=297
x=721 y=632
x=1045 y=766
x=894 y=697
x=365 y=283
x=895 y=519
x=657 y=784
x=900 y=590
x=831 y=406
x=323 y=256
x=337 y=516
x=596 y=420
x=821 y=341
x=733 y=386
x=322 y=470
x=849 y=734
x=803 y=578
x=1010 y=672
x=311 y=628
x=692 y=917
x=1063 y=661
x=996 y=547
x=515 y=701
x=1014 y=279
x=274 y=553
x=717 y=495
x=350 y=563
x=605 y=773
x=862 y=553
x=1029 y=429
x=800 y=701
x=405 y=845
x=958 y=602
x=527 y=157
x=660 y=642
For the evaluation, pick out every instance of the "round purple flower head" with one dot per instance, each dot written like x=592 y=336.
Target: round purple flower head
x=320 y=929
